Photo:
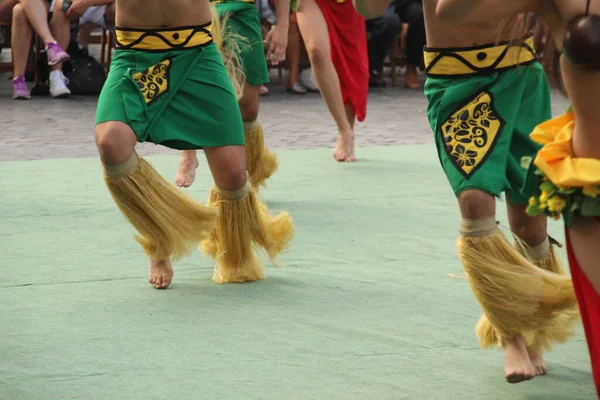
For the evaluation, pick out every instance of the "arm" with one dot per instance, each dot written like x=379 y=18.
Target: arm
x=277 y=37
x=479 y=11
x=370 y=8
x=80 y=6
x=98 y=3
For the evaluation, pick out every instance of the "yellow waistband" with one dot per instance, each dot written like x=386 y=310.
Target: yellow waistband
x=478 y=60
x=556 y=159
x=186 y=37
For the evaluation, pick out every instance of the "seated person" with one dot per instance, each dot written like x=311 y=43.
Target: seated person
x=294 y=49
x=381 y=34
x=26 y=16
x=86 y=14
x=411 y=12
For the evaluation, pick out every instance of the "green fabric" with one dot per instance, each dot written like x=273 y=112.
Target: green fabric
x=514 y=101
x=244 y=21
x=198 y=109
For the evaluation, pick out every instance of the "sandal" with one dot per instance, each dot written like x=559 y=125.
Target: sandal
x=296 y=88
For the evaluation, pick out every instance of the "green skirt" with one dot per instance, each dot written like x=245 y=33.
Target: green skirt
x=243 y=20
x=171 y=87
x=483 y=104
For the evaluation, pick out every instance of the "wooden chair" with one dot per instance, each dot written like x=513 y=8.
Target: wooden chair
x=31 y=67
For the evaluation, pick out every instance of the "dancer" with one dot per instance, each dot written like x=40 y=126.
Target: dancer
x=484 y=98
x=336 y=42
x=565 y=175
x=168 y=85
x=243 y=20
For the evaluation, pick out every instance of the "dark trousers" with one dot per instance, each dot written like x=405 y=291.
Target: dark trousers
x=382 y=31
x=411 y=12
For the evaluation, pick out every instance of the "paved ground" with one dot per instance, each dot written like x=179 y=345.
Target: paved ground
x=51 y=128
x=363 y=308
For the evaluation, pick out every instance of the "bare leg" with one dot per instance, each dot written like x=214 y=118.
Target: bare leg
x=60 y=26
x=533 y=231
x=37 y=13
x=186 y=173
x=293 y=52
x=476 y=205
x=228 y=166
x=116 y=142
x=20 y=40
x=585 y=236
x=249 y=103
x=84 y=34
x=316 y=38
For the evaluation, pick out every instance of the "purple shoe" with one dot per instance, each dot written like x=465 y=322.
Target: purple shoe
x=20 y=89
x=55 y=53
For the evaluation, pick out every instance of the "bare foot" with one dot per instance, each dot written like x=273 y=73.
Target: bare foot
x=161 y=274
x=344 y=150
x=517 y=364
x=539 y=364
x=187 y=170
x=411 y=78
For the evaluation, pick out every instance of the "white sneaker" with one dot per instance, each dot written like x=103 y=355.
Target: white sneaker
x=307 y=80
x=58 y=84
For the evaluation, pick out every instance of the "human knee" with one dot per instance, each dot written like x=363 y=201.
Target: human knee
x=317 y=52
x=475 y=204
x=19 y=18
x=532 y=230
x=392 y=23
x=249 y=110
x=113 y=141
x=233 y=176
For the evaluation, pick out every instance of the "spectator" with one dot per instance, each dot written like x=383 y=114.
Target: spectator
x=99 y=16
x=382 y=32
x=29 y=15
x=294 y=50
x=411 y=12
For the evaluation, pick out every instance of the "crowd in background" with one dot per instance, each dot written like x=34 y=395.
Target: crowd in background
x=64 y=33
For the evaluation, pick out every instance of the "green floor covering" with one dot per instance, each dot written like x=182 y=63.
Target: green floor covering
x=365 y=307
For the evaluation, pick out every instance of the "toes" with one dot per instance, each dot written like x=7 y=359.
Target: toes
x=165 y=283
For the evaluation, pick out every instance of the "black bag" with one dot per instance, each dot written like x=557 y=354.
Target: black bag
x=86 y=75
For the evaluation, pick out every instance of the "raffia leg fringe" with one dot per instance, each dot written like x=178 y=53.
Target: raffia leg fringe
x=260 y=161
x=244 y=226
x=515 y=295
x=169 y=223
x=562 y=327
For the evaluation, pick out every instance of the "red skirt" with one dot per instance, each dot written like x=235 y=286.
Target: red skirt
x=589 y=305
x=348 y=41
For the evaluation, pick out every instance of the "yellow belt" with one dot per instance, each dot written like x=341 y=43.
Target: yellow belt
x=478 y=60
x=186 y=37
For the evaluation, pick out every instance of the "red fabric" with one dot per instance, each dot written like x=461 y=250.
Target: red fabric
x=589 y=305
x=348 y=41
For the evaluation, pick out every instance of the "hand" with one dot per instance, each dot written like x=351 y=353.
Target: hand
x=276 y=40
x=77 y=9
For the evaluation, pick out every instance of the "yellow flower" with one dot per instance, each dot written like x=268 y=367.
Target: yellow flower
x=544 y=197
x=556 y=204
x=532 y=201
x=556 y=217
x=591 y=191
